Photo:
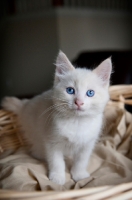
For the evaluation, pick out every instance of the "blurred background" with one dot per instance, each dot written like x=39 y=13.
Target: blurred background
x=87 y=31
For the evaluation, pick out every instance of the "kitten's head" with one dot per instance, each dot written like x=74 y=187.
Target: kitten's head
x=79 y=91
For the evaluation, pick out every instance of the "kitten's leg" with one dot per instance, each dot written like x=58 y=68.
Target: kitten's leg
x=56 y=166
x=80 y=162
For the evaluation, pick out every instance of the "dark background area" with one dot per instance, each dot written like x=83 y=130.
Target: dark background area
x=33 y=31
x=121 y=60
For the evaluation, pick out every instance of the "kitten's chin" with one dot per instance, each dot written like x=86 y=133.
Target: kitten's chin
x=80 y=112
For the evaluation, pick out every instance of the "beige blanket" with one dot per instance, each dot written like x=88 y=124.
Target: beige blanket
x=110 y=163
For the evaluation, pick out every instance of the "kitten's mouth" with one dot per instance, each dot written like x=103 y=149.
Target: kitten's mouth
x=79 y=112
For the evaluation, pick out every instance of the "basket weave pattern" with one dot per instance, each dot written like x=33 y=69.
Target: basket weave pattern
x=8 y=131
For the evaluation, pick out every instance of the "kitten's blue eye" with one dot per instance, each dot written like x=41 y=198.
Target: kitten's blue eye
x=70 y=90
x=90 y=93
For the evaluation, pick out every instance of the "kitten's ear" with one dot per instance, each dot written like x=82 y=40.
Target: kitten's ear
x=104 y=70
x=63 y=65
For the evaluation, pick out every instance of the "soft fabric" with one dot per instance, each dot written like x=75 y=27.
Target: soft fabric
x=110 y=163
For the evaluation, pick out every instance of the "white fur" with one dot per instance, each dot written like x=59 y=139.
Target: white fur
x=55 y=127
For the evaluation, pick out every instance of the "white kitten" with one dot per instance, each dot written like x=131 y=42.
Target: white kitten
x=66 y=120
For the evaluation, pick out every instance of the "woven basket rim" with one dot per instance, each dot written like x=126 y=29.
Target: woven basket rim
x=123 y=191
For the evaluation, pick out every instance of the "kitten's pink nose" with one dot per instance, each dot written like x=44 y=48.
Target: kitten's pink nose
x=79 y=103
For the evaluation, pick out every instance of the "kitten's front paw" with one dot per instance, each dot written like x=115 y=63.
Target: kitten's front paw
x=79 y=175
x=57 y=178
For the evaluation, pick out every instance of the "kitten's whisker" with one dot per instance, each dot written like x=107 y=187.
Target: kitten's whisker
x=52 y=112
x=50 y=108
x=50 y=115
x=53 y=97
x=59 y=113
x=62 y=109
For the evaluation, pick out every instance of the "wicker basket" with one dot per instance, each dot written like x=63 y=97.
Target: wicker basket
x=9 y=140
